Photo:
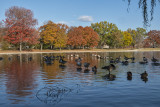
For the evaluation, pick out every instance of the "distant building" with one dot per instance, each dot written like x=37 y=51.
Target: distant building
x=106 y=47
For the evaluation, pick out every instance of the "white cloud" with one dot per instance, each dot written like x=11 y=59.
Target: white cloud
x=85 y=18
x=63 y=22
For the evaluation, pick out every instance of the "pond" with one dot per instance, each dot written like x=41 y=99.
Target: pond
x=29 y=80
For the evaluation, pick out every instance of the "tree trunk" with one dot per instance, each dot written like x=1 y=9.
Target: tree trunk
x=83 y=47
x=20 y=47
x=41 y=46
x=60 y=48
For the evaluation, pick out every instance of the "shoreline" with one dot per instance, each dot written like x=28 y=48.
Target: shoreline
x=79 y=51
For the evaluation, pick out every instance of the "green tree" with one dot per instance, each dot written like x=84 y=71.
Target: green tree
x=118 y=39
x=104 y=30
x=141 y=34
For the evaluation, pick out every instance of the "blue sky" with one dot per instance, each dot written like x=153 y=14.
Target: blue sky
x=85 y=12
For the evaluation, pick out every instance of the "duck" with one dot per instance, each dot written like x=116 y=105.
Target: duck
x=126 y=58
x=109 y=77
x=133 y=58
x=111 y=60
x=154 y=59
x=109 y=67
x=79 y=64
x=30 y=58
x=94 y=69
x=118 y=59
x=129 y=74
x=125 y=62
x=145 y=59
x=79 y=59
x=86 y=65
x=9 y=58
x=144 y=75
x=79 y=69
x=1 y=58
x=62 y=61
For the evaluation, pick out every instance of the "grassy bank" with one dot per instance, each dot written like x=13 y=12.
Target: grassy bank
x=78 y=50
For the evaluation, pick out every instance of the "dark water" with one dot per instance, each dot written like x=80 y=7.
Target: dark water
x=31 y=82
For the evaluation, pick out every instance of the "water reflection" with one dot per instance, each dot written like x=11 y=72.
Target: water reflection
x=23 y=75
x=20 y=78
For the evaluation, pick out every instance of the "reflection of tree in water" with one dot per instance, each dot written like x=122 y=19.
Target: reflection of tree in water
x=53 y=95
x=20 y=78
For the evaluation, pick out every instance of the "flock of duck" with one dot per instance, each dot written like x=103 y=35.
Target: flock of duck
x=108 y=68
x=49 y=61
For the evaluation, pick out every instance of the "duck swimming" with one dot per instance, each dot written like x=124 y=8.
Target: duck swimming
x=144 y=75
x=94 y=69
x=129 y=75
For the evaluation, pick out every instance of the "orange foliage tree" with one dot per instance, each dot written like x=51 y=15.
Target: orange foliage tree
x=54 y=34
x=91 y=37
x=80 y=37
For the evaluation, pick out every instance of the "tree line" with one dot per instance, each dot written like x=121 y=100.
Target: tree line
x=18 y=31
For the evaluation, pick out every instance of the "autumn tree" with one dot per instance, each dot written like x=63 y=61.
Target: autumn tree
x=104 y=30
x=76 y=37
x=127 y=39
x=81 y=37
x=20 y=26
x=3 y=44
x=134 y=35
x=54 y=34
x=60 y=39
x=47 y=33
x=153 y=39
x=91 y=37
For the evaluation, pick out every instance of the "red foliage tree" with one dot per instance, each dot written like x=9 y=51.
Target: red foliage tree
x=75 y=37
x=153 y=39
x=91 y=37
x=79 y=36
x=20 y=26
